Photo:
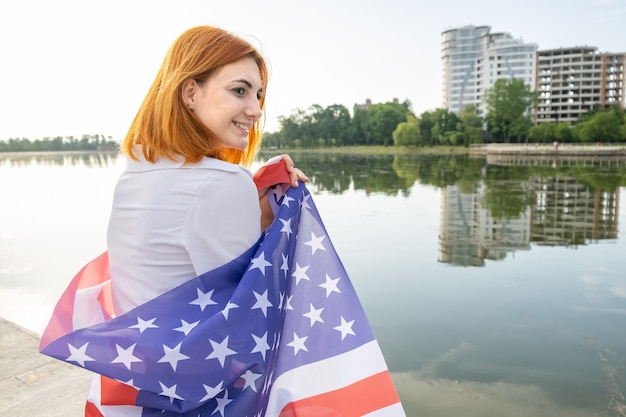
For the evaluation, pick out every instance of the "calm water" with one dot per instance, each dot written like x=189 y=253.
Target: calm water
x=494 y=290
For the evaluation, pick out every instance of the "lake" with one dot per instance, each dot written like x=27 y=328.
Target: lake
x=495 y=289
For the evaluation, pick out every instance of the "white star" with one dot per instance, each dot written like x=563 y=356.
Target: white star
x=220 y=351
x=330 y=285
x=260 y=263
x=126 y=356
x=228 y=307
x=304 y=203
x=298 y=343
x=345 y=328
x=211 y=391
x=144 y=324
x=262 y=302
x=260 y=344
x=79 y=355
x=250 y=378
x=314 y=315
x=203 y=300
x=286 y=226
x=222 y=403
x=300 y=273
x=285 y=265
x=276 y=340
x=287 y=200
x=173 y=355
x=169 y=391
x=288 y=305
x=186 y=327
x=315 y=243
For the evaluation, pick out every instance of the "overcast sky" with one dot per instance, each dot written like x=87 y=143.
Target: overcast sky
x=74 y=67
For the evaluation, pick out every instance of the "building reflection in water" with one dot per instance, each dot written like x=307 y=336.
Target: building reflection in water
x=562 y=212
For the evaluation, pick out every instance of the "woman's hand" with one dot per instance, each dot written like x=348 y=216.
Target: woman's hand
x=295 y=174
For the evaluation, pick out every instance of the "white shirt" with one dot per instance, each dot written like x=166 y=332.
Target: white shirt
x=170 y=223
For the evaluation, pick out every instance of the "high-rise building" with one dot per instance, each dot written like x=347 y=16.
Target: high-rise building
x=473 y=59
x=571 y=81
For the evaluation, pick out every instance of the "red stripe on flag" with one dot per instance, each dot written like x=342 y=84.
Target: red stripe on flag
x=91 y=410
x=94 y=273
x=113 y=392
x=271 y=174
x=355 y=400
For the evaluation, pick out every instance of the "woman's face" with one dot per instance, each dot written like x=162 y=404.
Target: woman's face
x=228 y=101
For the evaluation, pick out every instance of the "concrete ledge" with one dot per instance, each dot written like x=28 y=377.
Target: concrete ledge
x=33 y=384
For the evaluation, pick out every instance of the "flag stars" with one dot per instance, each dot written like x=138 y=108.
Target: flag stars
x=262 y=302
x=285 y=265
x=330 y=285
x=79 y=355
x=169 y=392
x=260 y=345
x=144 y=324
x=173 y=355
x=315 y=315
x=204 y=299
x=286 y=227
x=126 y=356
x=315 y=243
x=298 y=343
x=260 y=263
x=250 y=380
x=186 y=327
x=229 y=306
x=287 y=200
x=345 y=328
x=220 y=351
x=211 y=392
x=222 y=403
x=305 y=201
x=300 y=273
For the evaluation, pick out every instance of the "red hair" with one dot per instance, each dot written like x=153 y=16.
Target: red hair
x=164 y=127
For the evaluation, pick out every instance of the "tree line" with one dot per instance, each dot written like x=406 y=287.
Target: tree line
x=510 y=106
x=59 y=143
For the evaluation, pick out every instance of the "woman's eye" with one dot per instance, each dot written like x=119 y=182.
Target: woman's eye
x=239 y=90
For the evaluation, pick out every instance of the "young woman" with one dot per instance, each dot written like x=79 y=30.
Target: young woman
x=186 y=204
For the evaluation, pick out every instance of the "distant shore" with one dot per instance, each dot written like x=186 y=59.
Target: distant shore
x=551 y=150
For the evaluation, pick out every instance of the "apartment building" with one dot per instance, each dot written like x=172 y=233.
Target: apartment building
x=571 y=81
x=474 y=58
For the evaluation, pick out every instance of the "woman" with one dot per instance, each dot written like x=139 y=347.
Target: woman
x=185 y=205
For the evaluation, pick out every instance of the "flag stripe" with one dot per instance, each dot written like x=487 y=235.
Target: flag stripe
x=326 y=375
x=355 y=400
x=116 y=393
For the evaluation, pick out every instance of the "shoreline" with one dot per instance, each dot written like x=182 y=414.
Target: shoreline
x=33 y=384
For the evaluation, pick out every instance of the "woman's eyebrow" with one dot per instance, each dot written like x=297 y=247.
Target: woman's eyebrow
x=244 y=81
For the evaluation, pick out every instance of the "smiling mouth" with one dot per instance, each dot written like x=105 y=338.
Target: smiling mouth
x=242 y=126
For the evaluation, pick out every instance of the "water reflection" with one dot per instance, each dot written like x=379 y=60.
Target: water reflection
x=490 y=207
x=58 y=159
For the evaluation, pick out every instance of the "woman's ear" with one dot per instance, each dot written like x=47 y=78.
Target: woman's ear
x=189 y=92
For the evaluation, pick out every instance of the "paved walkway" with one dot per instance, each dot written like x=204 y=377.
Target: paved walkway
x=34 y=385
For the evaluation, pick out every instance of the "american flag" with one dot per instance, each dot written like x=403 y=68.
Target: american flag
x=279 y=331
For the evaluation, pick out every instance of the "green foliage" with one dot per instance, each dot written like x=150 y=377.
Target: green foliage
x=408 y=133
x=68 y=143
x=509 y=102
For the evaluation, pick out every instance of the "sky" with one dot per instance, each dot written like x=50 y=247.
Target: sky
x=75 y=67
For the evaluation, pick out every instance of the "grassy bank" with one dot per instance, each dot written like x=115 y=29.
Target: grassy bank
x=373 y=150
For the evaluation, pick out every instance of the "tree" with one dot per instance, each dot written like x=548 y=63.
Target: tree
x=470 y=125
x=509 y=102
x=408 y=133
